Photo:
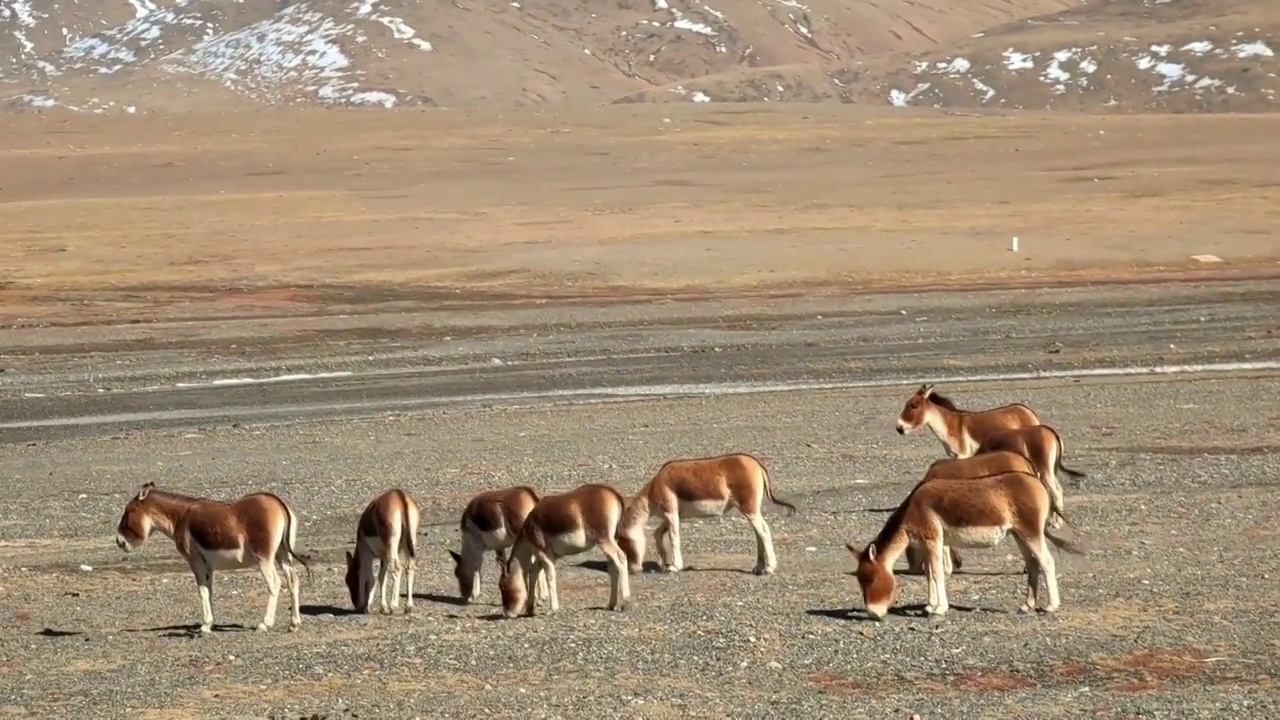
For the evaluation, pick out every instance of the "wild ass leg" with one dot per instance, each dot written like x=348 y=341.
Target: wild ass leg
x=766 y=560
x=661 y=538
x=291 y=577
x=204 y=586
x=548 y=568
x=409 y=564
x=937 y=571
x=673 y=533
x=268 y=570
x=619 y=580
x=1033 y=575
x=1041 y=550
x=930 y=581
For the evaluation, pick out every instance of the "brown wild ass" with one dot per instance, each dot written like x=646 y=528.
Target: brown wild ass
x=700 y=488
x=257 y=530
x=490 y=521
x=960 y=431
x=992 y=463
x=387 y=531
x=1042 y=445
x=962 y=512
x=558 y=526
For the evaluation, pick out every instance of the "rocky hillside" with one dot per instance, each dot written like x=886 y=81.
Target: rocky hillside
x=1127 y=55
x=155 y=55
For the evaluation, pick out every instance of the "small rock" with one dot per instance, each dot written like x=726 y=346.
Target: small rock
x=773 y=665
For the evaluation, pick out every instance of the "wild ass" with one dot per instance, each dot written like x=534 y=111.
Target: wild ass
x=558 y=526
x=387 y=531
x=1042 y=445
x=700 y=488
x=992 y=463
x=960 y=431
x=259 y=530
x=490 y=521
x=962 y=512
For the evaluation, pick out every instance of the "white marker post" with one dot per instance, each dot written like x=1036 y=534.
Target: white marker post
x=1013 y=245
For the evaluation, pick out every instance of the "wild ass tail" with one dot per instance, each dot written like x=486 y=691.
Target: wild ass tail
x=1058 y=466
x=410 y=540
x=291 y=536
x=768 y=491
x=1073 y=547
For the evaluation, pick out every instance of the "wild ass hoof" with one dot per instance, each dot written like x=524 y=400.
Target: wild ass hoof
x=295 y=624
x=1055 y=522
x=937 y=612
x=1051 y=608
x=205 y=629
x=670 y=569
x=263 y=627
x=758 y=570
x=1025 y=609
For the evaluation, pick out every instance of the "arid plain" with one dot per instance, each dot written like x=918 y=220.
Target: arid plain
x=554 y=300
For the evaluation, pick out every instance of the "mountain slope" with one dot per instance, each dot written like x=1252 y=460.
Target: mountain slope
x=162 y=54
x=1125 y=55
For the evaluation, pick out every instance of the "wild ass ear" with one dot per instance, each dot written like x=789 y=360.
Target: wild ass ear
x=350 y=558
x=142 y=494
x=871 y=551
x=456 y=557
x=849 y=546
x=926 y=390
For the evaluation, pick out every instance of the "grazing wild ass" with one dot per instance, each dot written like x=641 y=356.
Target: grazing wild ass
x=258 y=530
x=558 y=526
x=1041 y=445
x=992 y=463
x=960 y=431
x=387 y=531
x=962 y=512
x=694 y=488
x=490 y=521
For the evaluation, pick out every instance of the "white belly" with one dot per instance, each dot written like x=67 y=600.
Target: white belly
x=974 y=537
x=226 y=559
x=570 y=543
x=496 y=539
x=702 y=508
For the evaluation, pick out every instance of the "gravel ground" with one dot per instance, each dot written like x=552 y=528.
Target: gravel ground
x=1161 y=620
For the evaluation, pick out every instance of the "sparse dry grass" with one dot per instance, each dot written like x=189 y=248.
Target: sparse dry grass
x=616 y=200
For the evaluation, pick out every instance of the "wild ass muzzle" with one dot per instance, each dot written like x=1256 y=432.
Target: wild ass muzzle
x=969 y=513
x=490 y=522
x=386 y=531
x=1042 y=445
x=960 y=431
x=258 y=530
x=700 y=488
x=992 y=463
x=559 y=526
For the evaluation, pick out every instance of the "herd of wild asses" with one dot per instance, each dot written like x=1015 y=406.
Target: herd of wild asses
x=1001 y=478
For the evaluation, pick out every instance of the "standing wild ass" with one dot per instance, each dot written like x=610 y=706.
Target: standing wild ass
x=699 y=488
x=962 y=512
x=490 y=521
x=558 y=526
x=387 y=531
x=961 y=432
x=259 y=530
x=992 y=463
x=1042 y=445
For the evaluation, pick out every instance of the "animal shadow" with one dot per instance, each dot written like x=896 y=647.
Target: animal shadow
x=334 y=610
x=51 y=633
x=440 y=599
x=651 y=566
x=192 y=630
x=903 y=611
